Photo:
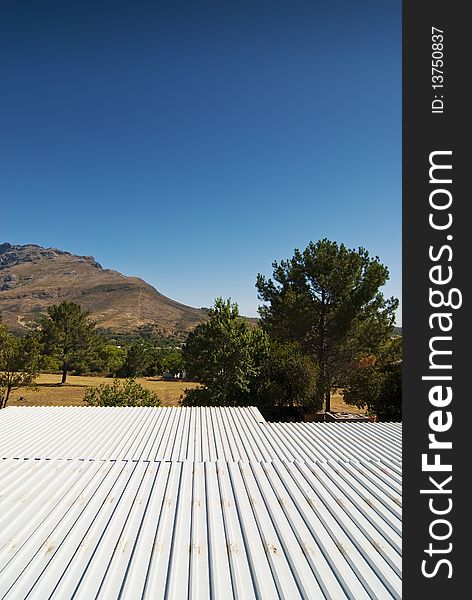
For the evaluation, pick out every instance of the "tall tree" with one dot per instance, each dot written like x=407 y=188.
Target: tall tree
x=327 y=298
x=135 y=362
x=225 y=354
x=68 y=334
x=19 y=363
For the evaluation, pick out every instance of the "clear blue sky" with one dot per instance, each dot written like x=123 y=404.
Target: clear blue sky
x=192 y=143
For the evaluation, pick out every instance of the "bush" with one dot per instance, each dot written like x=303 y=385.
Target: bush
x=205 y=396
x=121 y=393
x=377 y=387
x=287 y=379
x=389 y=402
x=201 y=396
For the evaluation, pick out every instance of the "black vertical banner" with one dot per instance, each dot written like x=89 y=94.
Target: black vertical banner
x=437 y=170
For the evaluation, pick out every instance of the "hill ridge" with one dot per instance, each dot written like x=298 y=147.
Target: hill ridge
x=33 y=277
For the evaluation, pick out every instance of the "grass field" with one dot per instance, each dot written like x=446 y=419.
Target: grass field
x=49 y=392
x=338 y=404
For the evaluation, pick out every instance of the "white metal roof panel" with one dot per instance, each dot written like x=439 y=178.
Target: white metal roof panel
x=177 y=434
x=138 y=529
x=343 y=441
x=130 y=433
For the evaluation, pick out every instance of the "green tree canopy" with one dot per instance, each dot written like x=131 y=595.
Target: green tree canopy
x=136 y=361
x=172 y=361
x=154 y=364
x=67 y=334
x=225 y=354
x=19 y=363
x=327 y=299
x=110 y=359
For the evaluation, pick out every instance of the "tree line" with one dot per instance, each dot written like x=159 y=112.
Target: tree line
x=324 y=324
x=68 y=341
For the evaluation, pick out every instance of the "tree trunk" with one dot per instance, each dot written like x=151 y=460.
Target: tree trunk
x=328 y=398
x=4 y=399
x=64 y=373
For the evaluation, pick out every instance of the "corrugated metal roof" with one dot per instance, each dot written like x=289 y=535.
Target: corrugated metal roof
x=200 y=434
x=165 y=433
x=196 y=503
x=124 y=529
x=344 y=441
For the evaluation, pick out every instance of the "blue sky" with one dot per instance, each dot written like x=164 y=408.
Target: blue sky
x=192 y=143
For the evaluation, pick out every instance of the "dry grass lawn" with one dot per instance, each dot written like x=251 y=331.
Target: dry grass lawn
x=49 y=392
x=338 y=404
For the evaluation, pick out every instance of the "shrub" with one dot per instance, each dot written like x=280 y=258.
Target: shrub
x=377 y=387
x=201 y=396
x=389 y=402
x=288 y=379
x=121 y=393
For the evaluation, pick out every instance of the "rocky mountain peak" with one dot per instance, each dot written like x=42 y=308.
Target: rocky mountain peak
x=32 y=278
x=11 y=255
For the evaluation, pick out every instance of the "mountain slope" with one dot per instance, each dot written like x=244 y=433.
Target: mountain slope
x=32 y=278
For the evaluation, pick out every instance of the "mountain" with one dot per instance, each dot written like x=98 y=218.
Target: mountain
x=33 y=278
